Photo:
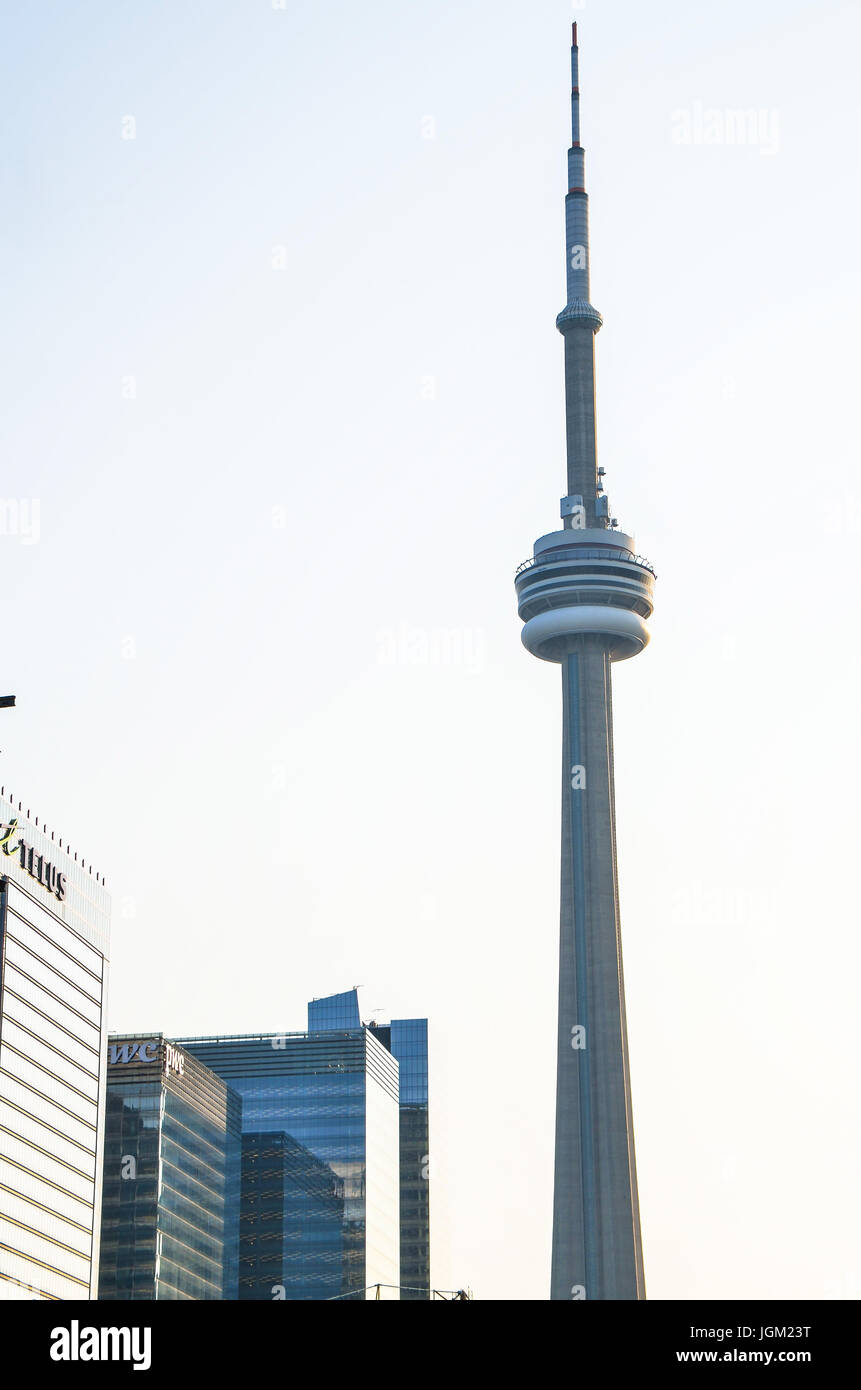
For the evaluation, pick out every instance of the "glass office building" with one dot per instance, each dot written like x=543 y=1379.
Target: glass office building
x=407 y=1040
x=54 y=933
x=320 y=1203
x=171 y=1175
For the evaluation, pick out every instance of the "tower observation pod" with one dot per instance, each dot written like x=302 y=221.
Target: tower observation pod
x=585 y=598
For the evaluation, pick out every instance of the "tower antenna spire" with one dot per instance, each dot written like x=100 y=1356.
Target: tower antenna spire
x=579 y=322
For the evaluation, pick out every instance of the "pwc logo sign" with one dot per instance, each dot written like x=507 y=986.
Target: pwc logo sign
x=121 y=1053
x=36 y=865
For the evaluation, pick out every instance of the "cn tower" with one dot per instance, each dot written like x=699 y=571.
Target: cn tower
x=585 y=598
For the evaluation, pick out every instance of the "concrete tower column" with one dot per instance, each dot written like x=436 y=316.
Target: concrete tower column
x=596 y=1228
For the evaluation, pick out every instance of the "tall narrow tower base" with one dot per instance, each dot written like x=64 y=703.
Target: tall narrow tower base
x=597 y=1251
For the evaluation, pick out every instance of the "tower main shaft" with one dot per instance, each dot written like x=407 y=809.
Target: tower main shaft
x=585 y=597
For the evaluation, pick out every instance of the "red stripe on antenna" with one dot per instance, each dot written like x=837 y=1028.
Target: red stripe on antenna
x=574 y=34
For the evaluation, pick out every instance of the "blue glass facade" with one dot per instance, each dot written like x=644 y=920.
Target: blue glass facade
x=292 y=1221
x=335 y=1011
x=323 y=1219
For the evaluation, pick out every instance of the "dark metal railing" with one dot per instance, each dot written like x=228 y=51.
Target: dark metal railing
x=578 y=552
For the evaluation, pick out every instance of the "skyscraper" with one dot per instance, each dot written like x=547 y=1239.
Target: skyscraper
x=54 y=930
x=171 y=1175
x=407 y=1040
x=585 y=597
x=319 y=1207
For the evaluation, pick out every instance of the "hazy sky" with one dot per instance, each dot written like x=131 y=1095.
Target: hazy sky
x=283 y=410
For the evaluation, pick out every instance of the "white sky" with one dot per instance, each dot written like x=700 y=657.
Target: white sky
x=331 y=470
